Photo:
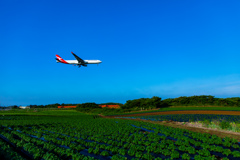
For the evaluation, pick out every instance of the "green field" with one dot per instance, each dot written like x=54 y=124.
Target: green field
x=68 y=134
x=42 y=112
x=185 y=108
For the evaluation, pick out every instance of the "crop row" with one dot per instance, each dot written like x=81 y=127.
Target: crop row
x=83 y=136
x=190 y=117
x=8 y=152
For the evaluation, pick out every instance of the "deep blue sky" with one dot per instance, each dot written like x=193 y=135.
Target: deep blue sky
x=147 y=48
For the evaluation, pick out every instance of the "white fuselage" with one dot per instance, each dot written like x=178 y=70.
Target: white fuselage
x=86 y=61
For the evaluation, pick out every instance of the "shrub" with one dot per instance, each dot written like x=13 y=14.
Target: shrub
x=206 y=122
x=96 y=151
x=226 y=152
x=104 y=153
x=186 y=156
x=175 y=154
x=87 y=107
x=118 y=157
x=39 y=135
x=225 y=125
x=131 y=152
x=50 y=156
x=138 y=154
x=90 y=150
x=236 y=154
x=148 y=156
x=122 y=151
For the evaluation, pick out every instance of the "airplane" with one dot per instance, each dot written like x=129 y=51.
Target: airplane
x=78 y=61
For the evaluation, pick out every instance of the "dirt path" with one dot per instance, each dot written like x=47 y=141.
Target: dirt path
x=188 y=126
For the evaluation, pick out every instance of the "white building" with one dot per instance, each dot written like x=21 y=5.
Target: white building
x=24 y=107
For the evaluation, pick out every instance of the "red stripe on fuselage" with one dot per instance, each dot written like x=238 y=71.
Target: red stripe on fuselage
x=61 y=60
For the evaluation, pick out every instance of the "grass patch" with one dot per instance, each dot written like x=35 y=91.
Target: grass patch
x=221 y=125
x=53 y=112
x=106 y=111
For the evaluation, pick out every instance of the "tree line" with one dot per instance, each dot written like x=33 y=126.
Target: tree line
x=201 y=101
x=142 y=104
x=157 y=102
x=151 y=103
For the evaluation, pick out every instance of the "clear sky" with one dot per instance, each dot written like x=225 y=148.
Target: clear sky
x=165 y=48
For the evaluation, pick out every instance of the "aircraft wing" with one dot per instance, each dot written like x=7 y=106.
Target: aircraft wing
x=80 y=61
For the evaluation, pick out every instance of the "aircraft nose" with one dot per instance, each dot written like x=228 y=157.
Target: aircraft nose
x=100 y=61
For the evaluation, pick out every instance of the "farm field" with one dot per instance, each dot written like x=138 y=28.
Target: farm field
x=40 y=111
x=220 y=122
x=181 y=108
x=179 y=112
x=72 y=135
x=191 y=117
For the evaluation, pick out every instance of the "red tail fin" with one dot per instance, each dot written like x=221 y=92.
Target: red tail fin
x=60 y=59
